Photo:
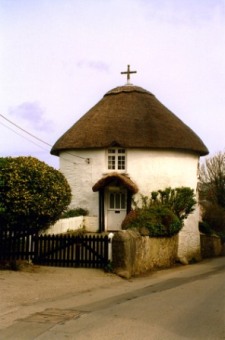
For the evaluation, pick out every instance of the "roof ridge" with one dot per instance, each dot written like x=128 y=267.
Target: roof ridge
x=127 y=88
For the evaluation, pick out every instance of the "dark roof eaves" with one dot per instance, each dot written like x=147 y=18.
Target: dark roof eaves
x=199 y=152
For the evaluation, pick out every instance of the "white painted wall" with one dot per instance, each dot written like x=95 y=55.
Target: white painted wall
x=65 y=224
x=89 y=223
x=154 y=170
x=151 y=170
x=81 y=175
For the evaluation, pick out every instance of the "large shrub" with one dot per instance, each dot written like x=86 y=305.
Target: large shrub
x=32 y=194
x=180 y=200
x=157 y=221
x=162 y=214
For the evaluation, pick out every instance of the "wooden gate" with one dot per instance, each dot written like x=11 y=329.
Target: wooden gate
x=55 y=250
x=72 y=251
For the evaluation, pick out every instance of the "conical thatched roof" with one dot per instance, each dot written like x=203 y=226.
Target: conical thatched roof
x=130 y=117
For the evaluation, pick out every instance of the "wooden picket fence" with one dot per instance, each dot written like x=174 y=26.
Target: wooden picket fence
x=89 y=251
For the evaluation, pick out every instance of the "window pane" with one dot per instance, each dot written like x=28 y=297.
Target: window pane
x=121 y=162
x=117 y=201
x=111 y=162
x=121 y=150
x=111 y=151
x=111 y=201
x=123 y=201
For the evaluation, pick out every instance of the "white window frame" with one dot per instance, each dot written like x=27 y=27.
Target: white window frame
x=114 y=158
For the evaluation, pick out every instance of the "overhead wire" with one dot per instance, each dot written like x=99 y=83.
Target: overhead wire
x=19 y=134
x=33 y=136
x=18 y=127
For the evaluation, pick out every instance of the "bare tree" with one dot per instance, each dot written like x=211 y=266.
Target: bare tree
x=212 y=195
x=212 y=180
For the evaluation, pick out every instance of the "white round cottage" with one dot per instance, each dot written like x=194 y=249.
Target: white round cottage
x=129 y=144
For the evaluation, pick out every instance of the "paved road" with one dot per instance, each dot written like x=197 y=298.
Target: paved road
x=187 y=302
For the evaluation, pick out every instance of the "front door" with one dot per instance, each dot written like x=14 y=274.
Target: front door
x=116 y=208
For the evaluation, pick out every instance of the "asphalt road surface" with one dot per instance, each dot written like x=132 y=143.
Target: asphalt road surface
x=187 y=302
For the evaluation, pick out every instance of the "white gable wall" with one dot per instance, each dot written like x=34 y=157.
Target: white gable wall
x=150 y=170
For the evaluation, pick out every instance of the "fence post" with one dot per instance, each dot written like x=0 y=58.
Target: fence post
x=110 y=237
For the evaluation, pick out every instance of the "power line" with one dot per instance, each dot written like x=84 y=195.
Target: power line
x=6 y=126
x=19 y=134
x=29 y=140
x=30 y=134
x=18 y=127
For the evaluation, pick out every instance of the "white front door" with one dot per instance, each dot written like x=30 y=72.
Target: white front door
x=116 y=208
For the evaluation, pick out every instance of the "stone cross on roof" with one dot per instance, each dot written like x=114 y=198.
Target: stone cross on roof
x=128 y=72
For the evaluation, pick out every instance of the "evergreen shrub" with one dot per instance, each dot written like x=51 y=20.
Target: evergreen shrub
x=159 y=221
x=163 y=213
x=74 y=213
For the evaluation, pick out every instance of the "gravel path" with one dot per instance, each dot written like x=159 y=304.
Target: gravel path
x=34 y=285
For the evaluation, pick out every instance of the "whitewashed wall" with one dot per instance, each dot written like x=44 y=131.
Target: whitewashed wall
x=89 y=223
x=154 y=170
x=65 y=224
x=150 y=170
x=82 y=174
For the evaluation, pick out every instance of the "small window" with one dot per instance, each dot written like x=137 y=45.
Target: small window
x=116 y=159
x=117 y=200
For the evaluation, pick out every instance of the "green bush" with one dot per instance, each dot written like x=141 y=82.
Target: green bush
x=162 y=214
x=74 y=213
x=180 y=200
x=159 y=221
x=33 y=195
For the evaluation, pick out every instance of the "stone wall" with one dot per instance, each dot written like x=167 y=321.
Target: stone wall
x=134 y=254
x=211 y=246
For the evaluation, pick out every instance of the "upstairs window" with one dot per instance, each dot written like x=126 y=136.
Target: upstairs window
x=116 y=159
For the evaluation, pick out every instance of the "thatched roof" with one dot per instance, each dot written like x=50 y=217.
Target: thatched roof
x=130 y=117
x=117 y=179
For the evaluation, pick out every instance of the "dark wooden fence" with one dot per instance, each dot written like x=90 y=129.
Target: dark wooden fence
x=55 y=250
x=17 y=245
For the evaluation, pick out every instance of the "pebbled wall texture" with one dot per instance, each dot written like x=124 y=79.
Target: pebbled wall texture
x=134 y=254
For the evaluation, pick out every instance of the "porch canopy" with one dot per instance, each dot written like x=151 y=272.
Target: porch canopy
x=116 y=179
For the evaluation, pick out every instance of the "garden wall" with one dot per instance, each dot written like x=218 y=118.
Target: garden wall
x=73 y=223
x=65 y=224
x=211 y=246
x=134 y=254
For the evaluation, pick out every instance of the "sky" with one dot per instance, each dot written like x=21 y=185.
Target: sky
x=59 y=57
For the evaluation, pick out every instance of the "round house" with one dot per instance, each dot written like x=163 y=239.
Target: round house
x=129 y=144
